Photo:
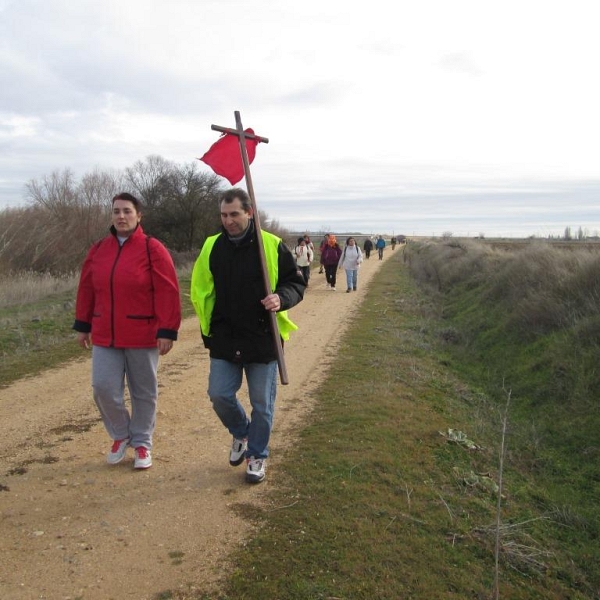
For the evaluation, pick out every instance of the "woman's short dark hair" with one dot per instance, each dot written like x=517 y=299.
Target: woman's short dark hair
x=130 y=198
x=230 y=195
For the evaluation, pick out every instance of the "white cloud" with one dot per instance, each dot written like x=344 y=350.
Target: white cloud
x=366 y=103
x=14 y=126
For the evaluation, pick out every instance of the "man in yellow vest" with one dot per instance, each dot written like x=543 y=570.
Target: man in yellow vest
x=228 y=294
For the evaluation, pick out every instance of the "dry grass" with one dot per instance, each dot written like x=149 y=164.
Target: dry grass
x=30 y=287
x=549 y=287
x=546 y=287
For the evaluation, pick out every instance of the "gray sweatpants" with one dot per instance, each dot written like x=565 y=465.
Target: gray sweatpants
x=110 y=367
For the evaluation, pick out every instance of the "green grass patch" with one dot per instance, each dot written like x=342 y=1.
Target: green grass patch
x=36 y=336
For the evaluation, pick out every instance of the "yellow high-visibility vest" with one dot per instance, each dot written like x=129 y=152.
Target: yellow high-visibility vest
x=202 y=290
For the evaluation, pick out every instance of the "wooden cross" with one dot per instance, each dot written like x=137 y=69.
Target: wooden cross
x=242 y=137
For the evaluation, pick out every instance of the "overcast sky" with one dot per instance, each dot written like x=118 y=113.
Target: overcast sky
x=382 y=116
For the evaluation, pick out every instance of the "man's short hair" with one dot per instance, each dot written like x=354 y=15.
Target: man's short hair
x=130 y=198
x=230 y=195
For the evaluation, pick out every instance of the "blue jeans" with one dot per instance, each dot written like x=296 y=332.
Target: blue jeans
x=224 y=381
x=351 y=278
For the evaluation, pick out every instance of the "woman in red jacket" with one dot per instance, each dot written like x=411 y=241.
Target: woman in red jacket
x=128 y=309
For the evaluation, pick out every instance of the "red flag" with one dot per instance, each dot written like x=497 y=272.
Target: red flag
x=224 y=157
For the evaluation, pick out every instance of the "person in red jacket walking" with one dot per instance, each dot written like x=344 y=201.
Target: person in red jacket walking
x=330 y=256
x=128 y=309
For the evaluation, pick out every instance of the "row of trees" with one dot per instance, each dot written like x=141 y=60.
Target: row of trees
x=581 y=234
x=64 y=216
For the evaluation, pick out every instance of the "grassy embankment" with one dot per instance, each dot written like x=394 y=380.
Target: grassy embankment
x=375 y=503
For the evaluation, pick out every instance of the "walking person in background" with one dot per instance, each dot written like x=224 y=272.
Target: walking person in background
x=393 y=241
x=330 y=257
x=128 y=309
x=367 y=247
x=309 y=243
x=380 y=245
x=321 y=248
x=304 y=256
x=350 y=261
x=228 y=294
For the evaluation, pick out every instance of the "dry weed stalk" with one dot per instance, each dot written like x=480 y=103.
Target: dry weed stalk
x=499 y=500
x=529 y=555
x=408 y=494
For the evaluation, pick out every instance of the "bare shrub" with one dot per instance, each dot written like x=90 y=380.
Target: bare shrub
x=585 y=283
x=275 y=227
x=35 y=241
x=63 y=219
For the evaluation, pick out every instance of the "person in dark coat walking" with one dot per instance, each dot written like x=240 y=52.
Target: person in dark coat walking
x=228 y=294
x=330 y=257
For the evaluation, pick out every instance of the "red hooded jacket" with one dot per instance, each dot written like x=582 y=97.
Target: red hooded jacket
x=128 y=295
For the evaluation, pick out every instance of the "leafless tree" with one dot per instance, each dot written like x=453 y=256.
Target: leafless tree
x=189 y=208
x=55 y=192
x=94 y=194
x=64 y=218
x=147 y=179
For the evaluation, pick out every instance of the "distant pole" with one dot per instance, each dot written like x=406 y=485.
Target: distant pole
x=242 y=136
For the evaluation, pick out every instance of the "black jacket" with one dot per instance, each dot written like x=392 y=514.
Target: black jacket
x=240 y=325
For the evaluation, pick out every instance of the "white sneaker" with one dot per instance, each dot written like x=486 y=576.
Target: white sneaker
x=333 y=288
x=238 y=452
x=255 y=471
x=117 y=451
x=143 y=458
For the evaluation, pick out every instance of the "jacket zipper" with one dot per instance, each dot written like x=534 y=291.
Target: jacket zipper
x=112 y=295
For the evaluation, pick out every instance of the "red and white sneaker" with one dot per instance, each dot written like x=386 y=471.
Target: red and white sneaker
x=117 y=451
x=143 y=458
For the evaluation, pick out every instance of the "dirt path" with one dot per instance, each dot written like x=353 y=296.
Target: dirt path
x=73 y=527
